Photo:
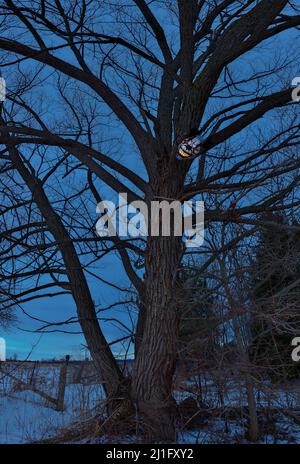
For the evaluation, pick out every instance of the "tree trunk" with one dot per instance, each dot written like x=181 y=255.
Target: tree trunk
x=156 y=357
x=87 y=317
x=253 y=428
x=139 y=327
x=157 y=348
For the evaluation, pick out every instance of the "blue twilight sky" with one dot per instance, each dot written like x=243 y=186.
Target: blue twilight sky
x=21 y=338
x=23 y=342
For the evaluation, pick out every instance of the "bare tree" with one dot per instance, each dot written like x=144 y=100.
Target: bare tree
x=160 y=83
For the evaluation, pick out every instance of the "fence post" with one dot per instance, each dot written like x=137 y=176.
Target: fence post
x=32 y=378
x=78 y=373
x=62 y=385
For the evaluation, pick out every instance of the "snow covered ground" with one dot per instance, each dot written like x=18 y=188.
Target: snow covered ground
x=25 y=416
x=232 y=394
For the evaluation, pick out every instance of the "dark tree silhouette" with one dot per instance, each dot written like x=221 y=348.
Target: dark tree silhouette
x=276 y=288
x=162 y=69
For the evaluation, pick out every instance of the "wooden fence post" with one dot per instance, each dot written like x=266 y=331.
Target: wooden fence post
x=32 y=378
x=62 y=385
x=78 y=373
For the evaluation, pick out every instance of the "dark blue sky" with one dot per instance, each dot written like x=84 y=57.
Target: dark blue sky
x=21 y=342
x=61 y=308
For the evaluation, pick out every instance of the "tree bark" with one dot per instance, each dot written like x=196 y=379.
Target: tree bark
x=156 y=357
x=157 y=350
x=139 y=327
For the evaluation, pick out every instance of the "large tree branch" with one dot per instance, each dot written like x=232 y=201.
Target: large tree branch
x=156 y=28
x=210 y=18
x=101 y=352
x=141 y=137
x=229 y=46
x=266 y=104
x=83 y=153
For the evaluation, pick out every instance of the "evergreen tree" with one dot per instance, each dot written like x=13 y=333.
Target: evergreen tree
x=197 y=319
x=276 y=296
